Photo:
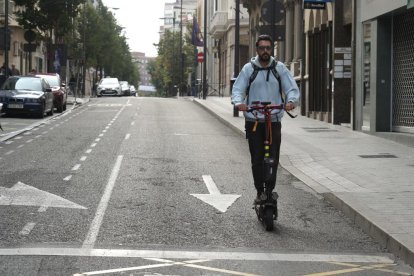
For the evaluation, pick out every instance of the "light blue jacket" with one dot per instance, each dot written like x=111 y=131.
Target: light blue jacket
x=264 y=91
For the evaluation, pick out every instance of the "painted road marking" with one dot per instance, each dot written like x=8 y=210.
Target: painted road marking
x=358 y=268
x=93 y=145
x=83 y=158
x=9 y=152
x=24 y=195
x=76 y=167
x=88 y=151
x=127 y=136
x=67 y=178
x=103 y=204
x=199 y=255
x=27 y=229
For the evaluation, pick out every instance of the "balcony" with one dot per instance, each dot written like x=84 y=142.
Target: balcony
x=218 y=24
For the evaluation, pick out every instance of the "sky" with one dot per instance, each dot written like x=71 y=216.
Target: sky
x=140 y=18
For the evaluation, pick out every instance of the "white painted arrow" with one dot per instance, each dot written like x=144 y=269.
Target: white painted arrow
x=22 y=194
x=215 y=198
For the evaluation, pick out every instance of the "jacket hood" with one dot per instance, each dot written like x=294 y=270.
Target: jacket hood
x=256 y=61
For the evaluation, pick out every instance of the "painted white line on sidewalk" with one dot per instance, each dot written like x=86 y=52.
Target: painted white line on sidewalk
x=103 y=204
x=76 y=167
x=210 y=255
x=67 y=178
x=27 y=229
x=127 y=136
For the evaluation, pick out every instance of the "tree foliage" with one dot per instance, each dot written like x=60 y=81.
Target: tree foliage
x=165 y=69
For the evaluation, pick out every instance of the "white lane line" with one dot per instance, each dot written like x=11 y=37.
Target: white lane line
x=20 y=146
x=209 y=255
x=18 y=138
x=27 y=228
x=103 y=204
x=88 y=151
x=103 y=131
x=67 y=178
x=132 y=123
x=97 y=139
x=9 y=152
x=38 y=136
x=100 y=135
x=44 y=132
x=127 y=136
x=83 y=158
x=93 y=145
x=76 y=167
x=29 y=141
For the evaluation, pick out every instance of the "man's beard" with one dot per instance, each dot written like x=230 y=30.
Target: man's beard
x=264 y=57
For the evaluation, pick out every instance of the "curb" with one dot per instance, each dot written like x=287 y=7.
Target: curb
x=374 y=231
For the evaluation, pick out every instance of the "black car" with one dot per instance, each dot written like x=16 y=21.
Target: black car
x=28 y=95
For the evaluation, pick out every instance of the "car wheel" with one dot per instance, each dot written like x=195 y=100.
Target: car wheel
x=64 y=106
x=60 y=108
x=42 y=112
x=50 y=113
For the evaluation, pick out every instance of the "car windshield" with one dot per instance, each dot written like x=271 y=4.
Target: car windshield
x=22 y=84
x=52 y=80
x=109 y=81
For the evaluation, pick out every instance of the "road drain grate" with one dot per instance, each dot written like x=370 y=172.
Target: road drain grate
x=378 y=156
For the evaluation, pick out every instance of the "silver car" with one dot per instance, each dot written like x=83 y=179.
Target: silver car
x=109 y=87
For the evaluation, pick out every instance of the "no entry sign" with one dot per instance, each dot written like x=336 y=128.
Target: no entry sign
x=200 y=57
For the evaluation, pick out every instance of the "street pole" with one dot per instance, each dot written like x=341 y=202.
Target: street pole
x=181 y=50
x=205 y=53
x=6 y=28
x=236 y=53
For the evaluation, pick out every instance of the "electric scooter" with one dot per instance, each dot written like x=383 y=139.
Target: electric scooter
x=266 y=207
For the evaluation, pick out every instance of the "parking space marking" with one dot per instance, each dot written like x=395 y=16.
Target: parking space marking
x=27 y=229
x=358 y=268
x=103 y=204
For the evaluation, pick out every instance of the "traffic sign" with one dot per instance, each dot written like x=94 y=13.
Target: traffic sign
x=200 y=57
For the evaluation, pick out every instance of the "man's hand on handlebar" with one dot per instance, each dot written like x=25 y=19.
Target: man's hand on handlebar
x=242 y=107
x=289 y=106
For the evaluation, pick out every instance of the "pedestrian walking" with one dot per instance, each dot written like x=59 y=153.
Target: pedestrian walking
x=264 y=79
x=14 y=71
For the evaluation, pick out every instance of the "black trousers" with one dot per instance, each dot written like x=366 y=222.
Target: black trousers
x=256 y=146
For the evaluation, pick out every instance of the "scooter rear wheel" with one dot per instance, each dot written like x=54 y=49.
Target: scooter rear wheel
x=268 y=218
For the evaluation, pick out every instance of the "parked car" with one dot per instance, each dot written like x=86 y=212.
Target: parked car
x=109 y=86
x=60 y=95
x=28 y=95
x=125 y=88
x=133 y=91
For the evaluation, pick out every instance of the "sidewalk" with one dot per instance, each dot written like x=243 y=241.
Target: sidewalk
x=370 y=179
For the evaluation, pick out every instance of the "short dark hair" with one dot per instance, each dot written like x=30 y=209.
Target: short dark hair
x=264 y=37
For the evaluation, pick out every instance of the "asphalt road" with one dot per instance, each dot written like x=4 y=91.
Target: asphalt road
x=113 y=188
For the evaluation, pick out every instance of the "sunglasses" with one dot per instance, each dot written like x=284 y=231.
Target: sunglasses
x=262 y=48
